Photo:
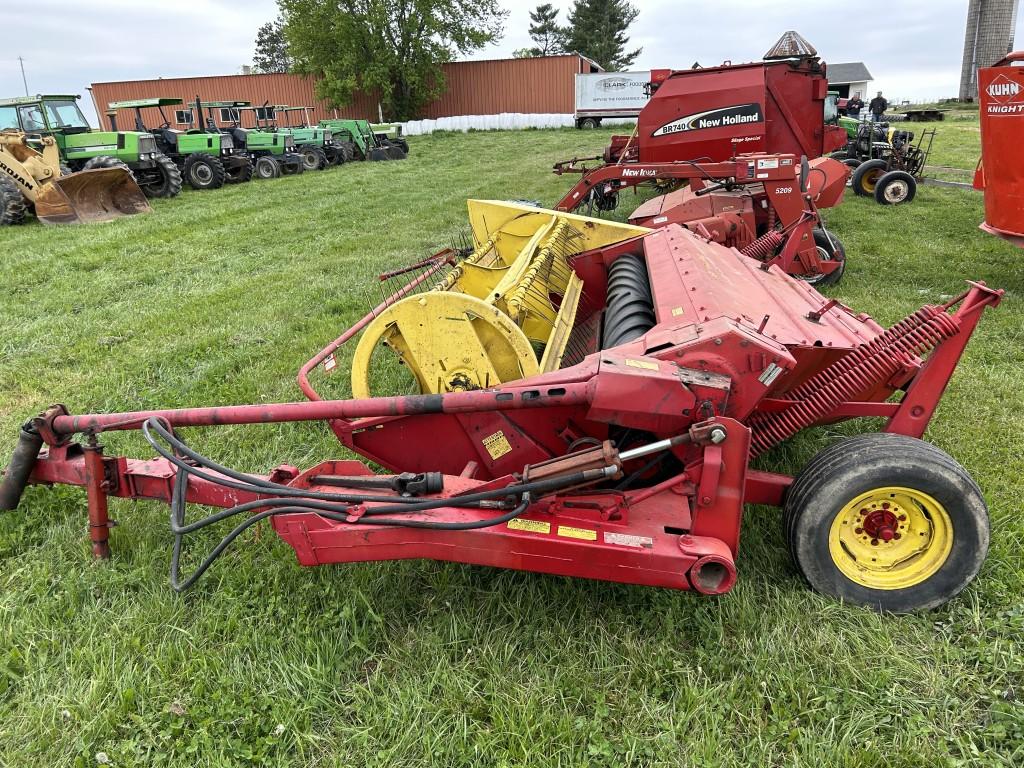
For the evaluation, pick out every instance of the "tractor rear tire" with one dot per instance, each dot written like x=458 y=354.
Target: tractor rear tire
x=204 y=171
x=12 y=204
x=895 y=188
x=313 y=158
x=238 y=173
x=267 y=168
x=829 y=249
x=105 y=161
x=167 y=179
x=866 y=177
x=886 y=521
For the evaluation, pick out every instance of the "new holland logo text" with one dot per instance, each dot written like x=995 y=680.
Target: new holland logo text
x=738 y=114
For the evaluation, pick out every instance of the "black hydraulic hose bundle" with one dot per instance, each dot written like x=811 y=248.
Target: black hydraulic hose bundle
x=283 y=499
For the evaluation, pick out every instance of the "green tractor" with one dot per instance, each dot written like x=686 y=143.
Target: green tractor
x=207 y=160
x=368 y=144
x=316 y=144
x=82 y=149
x=272 y=153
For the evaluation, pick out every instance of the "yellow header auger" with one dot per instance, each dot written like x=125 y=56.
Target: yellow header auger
x=506 y=312
x=32 y=177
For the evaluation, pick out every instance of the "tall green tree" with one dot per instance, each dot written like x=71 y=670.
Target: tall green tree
x=394 y=48
x=597 y=29
x=544 y=30
x=271 y=48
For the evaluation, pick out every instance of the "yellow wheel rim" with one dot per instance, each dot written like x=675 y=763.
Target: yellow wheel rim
x=891 y=538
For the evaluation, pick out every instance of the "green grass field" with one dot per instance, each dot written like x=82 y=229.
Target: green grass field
x=219 y=297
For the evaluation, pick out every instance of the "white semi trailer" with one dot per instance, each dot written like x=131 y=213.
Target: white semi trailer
x=601 y=95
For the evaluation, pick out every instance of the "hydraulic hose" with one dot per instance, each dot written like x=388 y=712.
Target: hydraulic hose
x=336 y=507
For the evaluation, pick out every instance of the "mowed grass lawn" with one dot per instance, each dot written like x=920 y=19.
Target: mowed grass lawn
x=219 y=297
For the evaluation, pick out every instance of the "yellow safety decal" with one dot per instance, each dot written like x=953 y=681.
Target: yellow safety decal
x=645 y=364
x=677 y=311
x=587 y=534
x=534 y=526
x=497 y=445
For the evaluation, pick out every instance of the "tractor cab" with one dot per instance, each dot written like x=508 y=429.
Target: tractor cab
x=45 y=115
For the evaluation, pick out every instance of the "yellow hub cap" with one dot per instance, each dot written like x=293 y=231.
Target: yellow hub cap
x=891 y=538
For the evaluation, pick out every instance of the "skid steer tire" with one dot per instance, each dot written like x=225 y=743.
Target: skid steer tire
x=886 y=521
x=162 y=181
x=204 y=171
x=12 y=204
x=238 y=173
x=267 y=168
x=313 y=158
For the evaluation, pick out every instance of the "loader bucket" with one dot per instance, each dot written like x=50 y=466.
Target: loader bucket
x=86 y=197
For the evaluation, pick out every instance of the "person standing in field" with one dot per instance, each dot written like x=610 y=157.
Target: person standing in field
x=878 y=106
x=854 y=106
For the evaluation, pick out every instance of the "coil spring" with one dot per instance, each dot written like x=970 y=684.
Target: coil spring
x=764 y=246
x=869 y=371
x=848 y=361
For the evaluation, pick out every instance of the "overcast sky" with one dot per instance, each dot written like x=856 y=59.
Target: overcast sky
x=912 y=47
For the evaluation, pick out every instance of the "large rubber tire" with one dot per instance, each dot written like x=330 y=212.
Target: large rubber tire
x=12 y=204
x=105 y=161
x=348 y=151
x=895 y=188
x=168 y=179
x=402 y=144
x=204 y=171
x=267 y=167
x=829 y=249
x=313 y=158
x=238 y=173
x=866 y=177
x=949 y=509
x=588 y=123
x=294 y=166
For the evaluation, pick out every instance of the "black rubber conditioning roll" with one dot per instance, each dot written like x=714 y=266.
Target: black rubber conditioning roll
x=629 y=313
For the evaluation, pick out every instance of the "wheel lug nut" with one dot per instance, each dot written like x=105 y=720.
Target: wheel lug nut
x=874 y=542
x=897 y=535
x=858 y=531
x=901 y=518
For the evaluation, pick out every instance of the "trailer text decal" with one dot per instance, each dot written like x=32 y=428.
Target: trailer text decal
x=737 y=114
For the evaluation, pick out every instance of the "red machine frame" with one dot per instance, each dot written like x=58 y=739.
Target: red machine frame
x=681 y=532
x=790 y=195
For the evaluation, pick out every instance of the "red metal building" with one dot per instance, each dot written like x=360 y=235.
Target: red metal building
x=537 y=85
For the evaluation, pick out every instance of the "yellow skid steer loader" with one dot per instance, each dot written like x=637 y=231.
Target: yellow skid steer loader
x=34 y=175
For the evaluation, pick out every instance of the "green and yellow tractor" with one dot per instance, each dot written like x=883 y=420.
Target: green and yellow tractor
x=272 y=154
x=317 y=144
x=82 y=148
x=206 y=159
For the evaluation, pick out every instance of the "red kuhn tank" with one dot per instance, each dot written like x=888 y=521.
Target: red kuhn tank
x=1001 y=171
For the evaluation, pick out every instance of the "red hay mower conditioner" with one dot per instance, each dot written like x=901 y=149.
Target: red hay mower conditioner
x=593 y=396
